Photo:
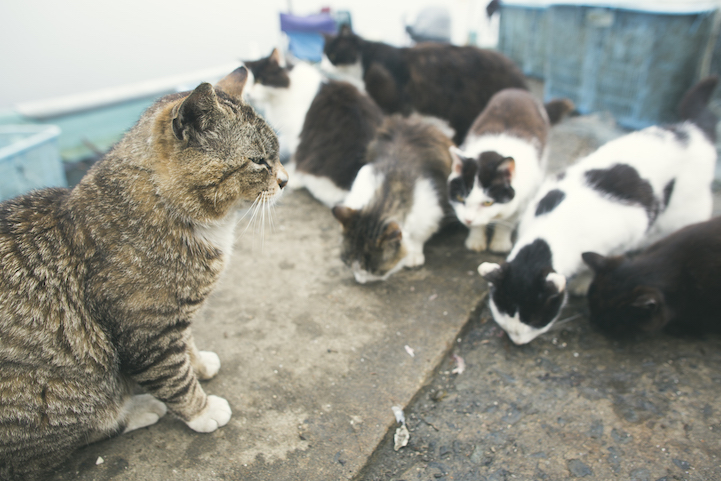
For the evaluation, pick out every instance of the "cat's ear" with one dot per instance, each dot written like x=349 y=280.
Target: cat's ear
x=458 y=158
x=234 y=83
x=191 y=117
x=392 y=233
x=558 y=281
x=490 y=271
x=648 y=298
x=345 y=215
x=596 y=262
x=277 y=57
x=507 y=167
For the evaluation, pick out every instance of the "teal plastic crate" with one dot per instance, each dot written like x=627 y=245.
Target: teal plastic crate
x=635 y=64
x=522 y=36
x=29 y=159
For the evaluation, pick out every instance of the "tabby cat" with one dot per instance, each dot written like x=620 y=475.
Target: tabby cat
x=100 y=283
x=446 y=81
x=397 y=201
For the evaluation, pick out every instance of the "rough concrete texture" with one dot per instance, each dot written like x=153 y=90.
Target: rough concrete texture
x=313 y=363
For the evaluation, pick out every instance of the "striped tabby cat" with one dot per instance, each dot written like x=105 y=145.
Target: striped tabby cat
x=98 y=284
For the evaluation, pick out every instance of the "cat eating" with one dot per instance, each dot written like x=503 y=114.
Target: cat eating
x=397 y=201
x=100 y=283
x=629 y=193
x=500 y=165
x=340 y=123
x=445 y=81
x=672 y=285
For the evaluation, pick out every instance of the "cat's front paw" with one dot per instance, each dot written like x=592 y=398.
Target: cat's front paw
x=501 y=244
x=143 y=410
x=216 y=414
x=208 y=365
x=415 y=259
x=476 y=240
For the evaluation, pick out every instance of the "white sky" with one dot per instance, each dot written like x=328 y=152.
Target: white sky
x=50 y=48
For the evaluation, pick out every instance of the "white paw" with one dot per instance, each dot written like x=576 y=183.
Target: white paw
x=216 y=414
x=415 y=259
x=476 y=240
x=143 y=410
x=209 y=365
x=501 y=243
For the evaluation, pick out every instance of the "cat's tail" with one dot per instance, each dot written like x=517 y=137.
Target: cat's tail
x=694 y=106
x=558 y=108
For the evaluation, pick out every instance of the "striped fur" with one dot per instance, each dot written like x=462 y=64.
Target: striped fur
x=99 y=284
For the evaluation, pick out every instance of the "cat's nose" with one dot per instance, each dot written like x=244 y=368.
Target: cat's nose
x=282 y=178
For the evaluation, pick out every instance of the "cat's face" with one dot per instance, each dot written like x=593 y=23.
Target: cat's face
x=342 y=49
x=478 y=188
x=526 y=296
x=269 y=76
x=619 y=305
x=373 y=251
x=213 y=151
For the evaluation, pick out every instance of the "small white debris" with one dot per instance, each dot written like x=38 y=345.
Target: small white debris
x=432 y=297
x=460 y=364
x=410 y=350
x=398 y=412
x=401 y=437
x=575 y=354
x=99 y=461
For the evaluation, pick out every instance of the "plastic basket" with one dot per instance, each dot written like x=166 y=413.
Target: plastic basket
x=636 y=65
x=29 y=159
x=522 y=37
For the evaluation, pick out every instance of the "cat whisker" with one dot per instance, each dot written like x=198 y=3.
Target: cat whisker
x=566 y=320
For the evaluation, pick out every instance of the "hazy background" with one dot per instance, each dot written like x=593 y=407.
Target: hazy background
x=51 y=48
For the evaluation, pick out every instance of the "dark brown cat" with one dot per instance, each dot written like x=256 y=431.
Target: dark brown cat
x=99 y=284
x=673 y=285
x=340 y=123
x=446 y=81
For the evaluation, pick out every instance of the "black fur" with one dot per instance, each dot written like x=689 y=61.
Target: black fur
x=550 y=201
x=446 y=81
x=267 y=71
x=667 y=192
x=521 y=286
x=340 y=123
x=622 y=182
x=493 y=174
x=673 y=285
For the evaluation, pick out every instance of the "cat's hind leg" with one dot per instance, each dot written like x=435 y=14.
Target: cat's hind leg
x=476 y=240
x=142 y=410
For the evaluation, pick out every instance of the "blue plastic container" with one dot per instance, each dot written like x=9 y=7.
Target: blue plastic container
x=522 y=37
x=635 y=64
x=29 y=159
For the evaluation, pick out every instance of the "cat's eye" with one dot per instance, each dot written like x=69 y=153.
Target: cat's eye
x=260 y=161
x=487 y=203
x=460 y=198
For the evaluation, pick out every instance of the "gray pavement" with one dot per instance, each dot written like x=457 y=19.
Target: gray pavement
x=313 y=362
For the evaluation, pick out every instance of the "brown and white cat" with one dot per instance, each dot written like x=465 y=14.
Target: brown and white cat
x=338 y=127
x=501 y=164
x=100 y=283
x=446 y=81
x=397 y=201
x=672 y=285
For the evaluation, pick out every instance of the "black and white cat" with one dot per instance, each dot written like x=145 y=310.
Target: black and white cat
x=629 y=193
x=397 y=201
x=340 y=123
x=440 y=80
x=673 y=285
x=282 y=93
x=501 y=164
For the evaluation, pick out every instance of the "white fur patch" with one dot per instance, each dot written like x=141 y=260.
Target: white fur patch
x=220 y=234
x=519 y=332
x=487 y=267
x=352 y=73
x=141 y=411
x=322 y=188
x=364 y=187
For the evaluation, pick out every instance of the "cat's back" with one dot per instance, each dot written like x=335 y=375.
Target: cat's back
x=513 y=112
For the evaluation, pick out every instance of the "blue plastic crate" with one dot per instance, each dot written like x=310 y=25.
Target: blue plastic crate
x=29 y=159
x=635 y=64
x=522 y=36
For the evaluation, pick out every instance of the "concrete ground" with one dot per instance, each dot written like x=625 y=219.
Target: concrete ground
x=312 y=364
